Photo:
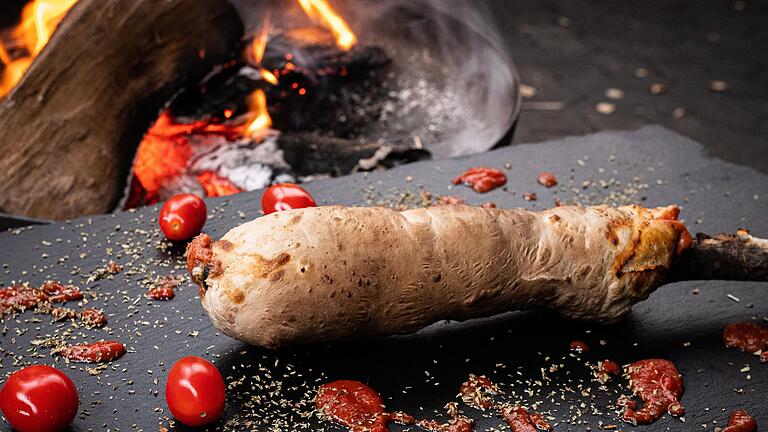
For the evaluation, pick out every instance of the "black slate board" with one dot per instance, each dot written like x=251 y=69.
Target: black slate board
x=417 y=373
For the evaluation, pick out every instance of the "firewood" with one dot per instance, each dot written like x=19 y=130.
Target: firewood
x=314 y=53
x=70 y=127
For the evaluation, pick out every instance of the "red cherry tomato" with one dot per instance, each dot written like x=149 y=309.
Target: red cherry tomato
x=39 y=399
x=195 y=391
x=182 y=216
x=285 y=196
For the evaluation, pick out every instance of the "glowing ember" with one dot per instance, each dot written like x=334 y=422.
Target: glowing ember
x=216 y=185
x=39 y=19
x=321 y=12
x=165 y=153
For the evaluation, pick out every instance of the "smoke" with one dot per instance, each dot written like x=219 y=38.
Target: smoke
x=477 y=79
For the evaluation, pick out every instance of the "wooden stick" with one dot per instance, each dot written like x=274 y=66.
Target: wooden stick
x=70 y=127
x=737 y=256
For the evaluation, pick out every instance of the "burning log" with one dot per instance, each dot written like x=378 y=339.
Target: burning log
x=313 y=53
x=69 y=128
x=308 y=66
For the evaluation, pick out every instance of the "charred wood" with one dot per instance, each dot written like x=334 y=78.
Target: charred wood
x=317 y=65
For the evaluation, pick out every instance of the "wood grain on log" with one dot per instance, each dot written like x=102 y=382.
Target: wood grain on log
x=723 y=257
x=69 y=129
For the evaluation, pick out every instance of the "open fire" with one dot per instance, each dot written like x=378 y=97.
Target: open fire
x=20 y=45
x=164 y=163
x=307 y=95
x=321 y=12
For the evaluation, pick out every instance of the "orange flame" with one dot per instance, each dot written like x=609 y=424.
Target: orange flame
x=258 y=99
x=257 y=49
x=39 y=19
x=258 y=107
x=268 y=76
x=322 y=12
x=259 y=44
x=13 y=70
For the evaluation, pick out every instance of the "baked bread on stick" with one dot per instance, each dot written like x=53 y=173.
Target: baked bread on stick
x=325 y=274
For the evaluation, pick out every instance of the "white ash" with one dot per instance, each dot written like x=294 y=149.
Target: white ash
x=247 y=164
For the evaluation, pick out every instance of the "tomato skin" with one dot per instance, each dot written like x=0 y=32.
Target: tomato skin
x=39 y=399
x=195 y=391
x=182 y=216
x=285 y=196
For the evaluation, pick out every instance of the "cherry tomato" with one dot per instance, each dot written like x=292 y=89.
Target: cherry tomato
x=39 y=399
x=195 y=391
x=182 y=216
x=285 y=196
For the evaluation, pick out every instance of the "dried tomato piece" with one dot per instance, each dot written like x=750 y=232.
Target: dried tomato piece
x=746 y=336
x=740 y=421
x=19 y=298
x=579 y=346
x=163 y=289
x=161 y=293
x=97 y=352
x=520 y=420
x=477 y=391
x=352 y=404
x=607 y=369
x=93 y=317
x=547 y=179
x=482 y=179
x=58 y=292
x=659 y=385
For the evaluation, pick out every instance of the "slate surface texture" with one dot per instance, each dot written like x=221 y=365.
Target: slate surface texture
x=417 y=373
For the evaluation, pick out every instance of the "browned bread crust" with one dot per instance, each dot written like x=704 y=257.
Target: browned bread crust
x=334 y=273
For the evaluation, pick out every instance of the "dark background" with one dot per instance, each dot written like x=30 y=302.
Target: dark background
x=572 y=51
